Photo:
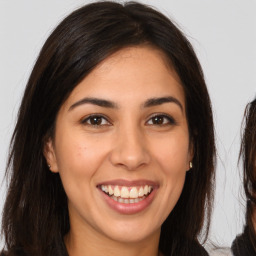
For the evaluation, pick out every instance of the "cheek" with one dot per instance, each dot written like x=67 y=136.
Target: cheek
x=79 y=156
x=173 y=155
x=78 y=160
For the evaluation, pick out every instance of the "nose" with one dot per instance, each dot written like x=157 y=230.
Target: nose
x=130 y=150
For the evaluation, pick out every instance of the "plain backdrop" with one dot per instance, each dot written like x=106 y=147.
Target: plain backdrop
x=223 y=33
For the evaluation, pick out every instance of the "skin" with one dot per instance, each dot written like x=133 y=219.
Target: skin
x=126 y=144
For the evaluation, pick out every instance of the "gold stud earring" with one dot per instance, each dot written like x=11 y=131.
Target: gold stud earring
x=190 y=165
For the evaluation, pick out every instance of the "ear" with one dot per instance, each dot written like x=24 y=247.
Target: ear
x=50 y=156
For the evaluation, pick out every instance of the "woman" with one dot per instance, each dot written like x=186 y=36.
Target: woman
x=245 y=244
x=109 y=154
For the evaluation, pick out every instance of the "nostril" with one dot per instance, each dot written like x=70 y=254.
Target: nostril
x=130 y=150
x=129 y=160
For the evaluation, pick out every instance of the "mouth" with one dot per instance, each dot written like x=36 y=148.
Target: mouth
x=127 y=195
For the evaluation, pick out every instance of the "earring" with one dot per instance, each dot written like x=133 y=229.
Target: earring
x=49 y=166
x=190 y=165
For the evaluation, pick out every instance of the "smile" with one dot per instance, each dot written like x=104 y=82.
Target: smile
x=127 y=195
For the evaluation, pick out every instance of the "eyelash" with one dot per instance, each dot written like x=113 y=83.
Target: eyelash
x=99 y=116
x=170 y=120
x=163 y=117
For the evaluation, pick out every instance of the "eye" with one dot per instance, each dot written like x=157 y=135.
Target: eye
x=160 y=119
x=96 y=120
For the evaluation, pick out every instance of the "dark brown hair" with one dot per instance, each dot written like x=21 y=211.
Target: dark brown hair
x=248 y=155
x=35 y=217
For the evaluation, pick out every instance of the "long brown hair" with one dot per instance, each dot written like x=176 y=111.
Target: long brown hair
x=248 y=155
x=35 y=217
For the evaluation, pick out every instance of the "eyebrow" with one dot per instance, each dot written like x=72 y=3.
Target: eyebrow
x=94 y=101
x=159 y=101
x=109 y=104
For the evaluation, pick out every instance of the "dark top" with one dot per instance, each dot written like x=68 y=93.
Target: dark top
x=242 y=245
x=199 y=251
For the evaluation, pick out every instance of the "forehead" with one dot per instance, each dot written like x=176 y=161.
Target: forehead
x=135 y=72
x=145 y=56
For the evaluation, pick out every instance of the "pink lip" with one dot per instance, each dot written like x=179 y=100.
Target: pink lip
x=131 y=208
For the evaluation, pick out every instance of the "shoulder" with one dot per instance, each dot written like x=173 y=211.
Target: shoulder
x=197 y=249
x=220 y=252
x=242 y=245
x=7 y=253
x=201 y=251
x=191 y=248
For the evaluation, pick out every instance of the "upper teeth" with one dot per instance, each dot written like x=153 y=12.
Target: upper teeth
x=126 y=192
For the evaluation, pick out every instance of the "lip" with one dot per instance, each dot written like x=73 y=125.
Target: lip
x=131 y=208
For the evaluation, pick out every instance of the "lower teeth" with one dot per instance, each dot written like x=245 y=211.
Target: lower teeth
x=127 y=200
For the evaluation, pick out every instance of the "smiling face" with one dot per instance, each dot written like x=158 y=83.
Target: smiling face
x=121 y=147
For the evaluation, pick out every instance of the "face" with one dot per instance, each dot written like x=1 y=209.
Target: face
x=121 y=146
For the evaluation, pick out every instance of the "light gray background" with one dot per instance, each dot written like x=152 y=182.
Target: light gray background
x=223 y=33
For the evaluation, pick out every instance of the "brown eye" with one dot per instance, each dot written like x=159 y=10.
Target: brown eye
x=96 y=120
x=161 y=120
x=158 y=120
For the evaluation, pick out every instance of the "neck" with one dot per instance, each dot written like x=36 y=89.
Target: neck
x=88 y=244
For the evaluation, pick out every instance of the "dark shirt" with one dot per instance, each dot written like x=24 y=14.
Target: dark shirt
x=199 y=251
x=242 y=245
